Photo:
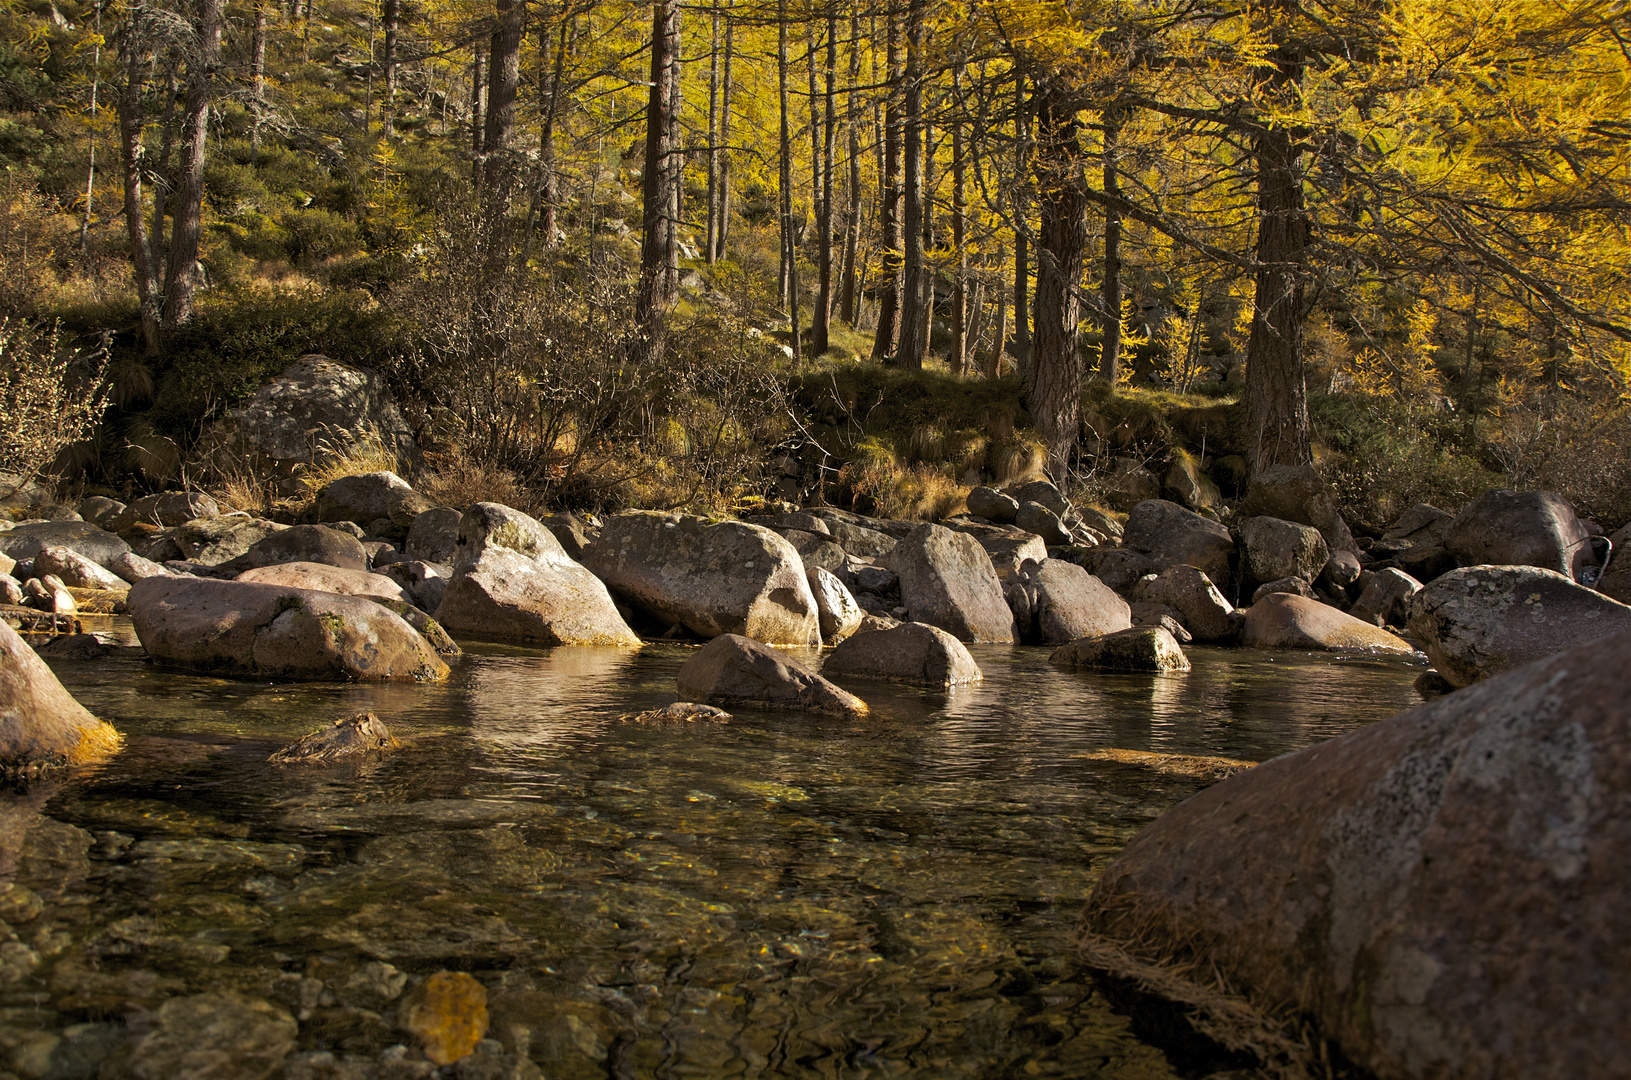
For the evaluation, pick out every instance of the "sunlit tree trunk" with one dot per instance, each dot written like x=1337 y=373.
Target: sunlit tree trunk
x=959 y=239
x=821 y=325
x=390 y=17
x=886 y=337
x=143 y=263
x=852 y=215
x=182 y=277
x=913 y=342
x=790 y=281
x=503 y=80
x=1110 y=290
x=1022 y=210
x=723 y=211
x=656 y=238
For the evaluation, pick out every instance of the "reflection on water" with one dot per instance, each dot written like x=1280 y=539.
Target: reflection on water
x=776 y=895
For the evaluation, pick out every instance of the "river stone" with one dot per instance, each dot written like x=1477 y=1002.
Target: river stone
x=1033 y=517
x=25 y=541
x=1119 y=568
x=1045 y=492
x=912 y=652
x=1341 y=570
x=167 y=509
x=946 y=580
x=572 y=531
x=303 y=543
x=800 y=521
x=840 y=614
x=859 y=540
x=1423 y=523
x=726 y=578
x=132 y=568
x=815 y=549
x=1191 y=593
x=272 y=631
x=1382 y=597
x=1296 y=493
x=1168 y=619
x=992 y=505
x=1296 y=586
x=221 y=1036
x=447 y=1014
x=367 y=497
x=1276 y=549
x=423 y=583
x=1287 y=621
x=1010 y=551
x=1513 y=528
x=48 y=593
x=75 y=569
x=315 y=402
x=1189 y=486
x=348 y=736
x=434 y=535
x=11 y=591
x=323 y=578
x=40 y=722
x=213 y=541
x=1425 y=563
x=1441 y=893
x=99 y=509
x=736 y=670
x=1056 y=601
x=1174 y=536
x=1482 y=620
x=1138 y=648
x=548 y=599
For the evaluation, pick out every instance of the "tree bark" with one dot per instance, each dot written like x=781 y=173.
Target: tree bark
x=722 y=230
x=852 y=191
x=257 y=73
x=1053 y=377
x=1276 y=396
x=790 y=281
x=503 y=80
x=821 y=327
x=676 y=170
x=183 y=274
x=711 y=237
x=143 y=263
x=959 y=239
x=657 y=182
x=886 y=338
x=913 y=342
x=548 y=180
x=1110 y=290
x=390 y=17
x=1022 y=236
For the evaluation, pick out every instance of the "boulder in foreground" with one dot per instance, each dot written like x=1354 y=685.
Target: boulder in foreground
x=947 y=580
x=1142 y=648
x=40 y=722
x=736 y=670
x=271 y=631
x=1289 y=621
x=914 y=653
x=1442 y=893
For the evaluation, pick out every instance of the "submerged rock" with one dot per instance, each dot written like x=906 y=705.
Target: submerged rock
x=447 y=1013
x=678 y=712
x=909 y=652
x=1140 y=648
x=349 y=736
x=736 y=670
x=1482 y=620
x=220 y=1036
x=1441 y=893
x=40 y=722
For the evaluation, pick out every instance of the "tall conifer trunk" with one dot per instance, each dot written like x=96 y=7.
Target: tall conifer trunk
x=182 y=278
x=913 y=342
x=657 y=199
x=892 y=240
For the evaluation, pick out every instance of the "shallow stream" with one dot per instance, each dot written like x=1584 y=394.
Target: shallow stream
x=777 y=895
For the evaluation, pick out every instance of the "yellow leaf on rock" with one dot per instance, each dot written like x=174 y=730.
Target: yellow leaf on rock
x=447 y=1013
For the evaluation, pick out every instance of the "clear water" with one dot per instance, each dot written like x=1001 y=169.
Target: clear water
x=777 y=895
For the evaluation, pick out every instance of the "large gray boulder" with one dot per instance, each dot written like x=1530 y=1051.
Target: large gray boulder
x=840 y=614
x=946 y=580
x=1520 y=528
x=434 y=535
x=317 y=402
x=167 y=509
x=40 y=722
x=1190 y=591
x=1441 y=894
x=1287 y=621
x=725 y=578
x=302 y=543
x=1422 y=524
x=1139 y=648
x=1033 y=517
x=910 y=653
x=736 y=670
x=213 y=541
x=422 y=582
x=1054 y=601
x=321 y=577
x=271 y=631
x=75 y=569
x=369 y=497
x=133 y=568
x=1173 y=536
x=1296 y=493
x=25 y=541
x=1382 y=597
x=1274 y=548
x=514 y=581
x=993 y=505
x=1482 y=620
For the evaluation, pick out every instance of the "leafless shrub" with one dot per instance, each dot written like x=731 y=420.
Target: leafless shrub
x=51 y=397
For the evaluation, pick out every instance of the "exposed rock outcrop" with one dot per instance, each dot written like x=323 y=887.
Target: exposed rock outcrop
x=1288 y=621
x=946 y=580
x=910 y=653
x=736 y=670
x=40 y=722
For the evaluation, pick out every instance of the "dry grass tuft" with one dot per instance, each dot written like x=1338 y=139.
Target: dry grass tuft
x=347 y=454
x=452 y=479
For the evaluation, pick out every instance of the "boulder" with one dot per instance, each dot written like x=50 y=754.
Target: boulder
x=40 y=722
x=302 y=543
x=348 y=736
x=7 y=564
x=858 y=540
x=1173 y=536
x=736 y=670
x=1148 y=614
x=1187 y=485
x=1296 y=493
x=1045 y=493
x=1118 y=568
x=1520 y=528
x=1422 y=524
x=993 y=505
x=317 y=402
x=725 y=578
x=11 y=591
x=514 y=581
x=913 y=652
x=800 y=521
x=1033 y=517
x=816 y=549
x=1129 y=484
x=25 y=541
x=132 y=568
x=367 y=497
x=271 y=631
x=321 y=577
x=1382 y=597
x=840 y=614
x=434 y=535
x=1139 y=648
x=423 y=583
x=1441 y=894
x=1008 y=553
x=1296 y=586
x=572 y=531
x=946 y=580
x=75 y=569
x=1191 y=593
x=167 y=510
x=213 y=541
x=99 y=509
x=1341 y=570
x=1056 y=601
x=1482 y=620
x=877 y=580
x=48 y=593
x=1100 y=522
x=1288 y=621
x=1425 y=563
x=1275 y=549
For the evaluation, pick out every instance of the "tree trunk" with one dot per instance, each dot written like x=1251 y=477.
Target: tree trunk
x=1053 y=377
x=159 y=176
x=993 y=363
x=257 y=74
x=477 y=63
x=913 y=344
x=503 y=79
x=675 y=171
x=1276 y=397
x=892 y=239
x=790 y=281
x=549 y=182
x=852 y=192
x=711 y=239
x=1110 y=290
x=1022 y=233
x=820 y=330
x=390 y=17
x=142 y=261
x=182 y=276
x=959 y=239
x=656 y=183
x=722 y=230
